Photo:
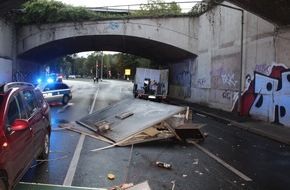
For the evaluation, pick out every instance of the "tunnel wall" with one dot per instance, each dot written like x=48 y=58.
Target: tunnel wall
x=213 y=78
x=6 y=51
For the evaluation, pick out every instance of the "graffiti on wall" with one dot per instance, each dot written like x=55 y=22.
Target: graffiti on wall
x=229 y=79
x=184 y=79
x=222 y=77
x=268 y=96
x=113 y=25
x=19 y=76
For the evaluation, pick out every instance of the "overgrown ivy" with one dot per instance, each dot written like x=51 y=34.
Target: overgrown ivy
x=45 y=12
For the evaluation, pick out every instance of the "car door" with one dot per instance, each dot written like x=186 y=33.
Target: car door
x=35 y=120
x=20 y=143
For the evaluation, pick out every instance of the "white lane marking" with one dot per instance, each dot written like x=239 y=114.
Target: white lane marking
x=53 y=185
x=220 y=161
x=94 y=102
x=73 y=165
x=62 y=109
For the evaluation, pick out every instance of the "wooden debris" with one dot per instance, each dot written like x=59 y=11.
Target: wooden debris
x=124 y=115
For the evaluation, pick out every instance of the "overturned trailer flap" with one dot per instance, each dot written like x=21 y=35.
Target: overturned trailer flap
x=129 y=117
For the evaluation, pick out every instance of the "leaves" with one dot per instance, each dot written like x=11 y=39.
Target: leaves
x=158 y=8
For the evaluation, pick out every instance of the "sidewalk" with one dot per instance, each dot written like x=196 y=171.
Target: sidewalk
x=272 y=131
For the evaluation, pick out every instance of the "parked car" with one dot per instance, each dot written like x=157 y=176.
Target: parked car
x=71 y=76
x=25 y=130
x=56 y=92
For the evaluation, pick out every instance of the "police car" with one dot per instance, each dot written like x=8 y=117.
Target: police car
x=56 y=92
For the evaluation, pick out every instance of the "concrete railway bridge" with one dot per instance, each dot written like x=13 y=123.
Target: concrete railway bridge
x=221 y=59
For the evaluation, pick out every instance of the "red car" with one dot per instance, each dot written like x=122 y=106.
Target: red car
x=25 y=128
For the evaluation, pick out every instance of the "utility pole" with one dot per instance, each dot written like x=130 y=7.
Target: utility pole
x=102 y=63
x=96 y=69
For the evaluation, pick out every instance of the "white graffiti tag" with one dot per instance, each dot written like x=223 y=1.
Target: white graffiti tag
x=229 y=79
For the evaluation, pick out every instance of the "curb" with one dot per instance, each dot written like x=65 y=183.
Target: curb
x=254 y=130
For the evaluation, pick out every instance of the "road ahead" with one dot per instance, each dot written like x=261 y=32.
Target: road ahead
x=229 y=158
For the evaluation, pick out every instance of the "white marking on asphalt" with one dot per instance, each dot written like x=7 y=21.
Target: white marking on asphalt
x=220 y=161
x=103 y=148
x=64 y=107
x=73 y=165
x=94 y=102
x=53 y=185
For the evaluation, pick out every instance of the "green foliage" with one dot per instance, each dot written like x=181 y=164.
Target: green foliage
x=43 y=11
x=158 y=8
x=116 y=63
x=202 y=7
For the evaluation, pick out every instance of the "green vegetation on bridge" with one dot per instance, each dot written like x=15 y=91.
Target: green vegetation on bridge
x=44 y=12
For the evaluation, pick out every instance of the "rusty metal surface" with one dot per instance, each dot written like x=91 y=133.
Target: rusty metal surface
x=145 y=114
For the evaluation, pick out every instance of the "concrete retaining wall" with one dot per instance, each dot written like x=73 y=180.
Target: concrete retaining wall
x=215 y=75
x=6 y=51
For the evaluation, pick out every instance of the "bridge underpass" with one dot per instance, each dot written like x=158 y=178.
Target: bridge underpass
x=215 y=77
x=162 y=40
x=145 y=48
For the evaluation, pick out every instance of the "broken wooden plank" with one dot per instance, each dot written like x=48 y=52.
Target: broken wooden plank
x=190 y=131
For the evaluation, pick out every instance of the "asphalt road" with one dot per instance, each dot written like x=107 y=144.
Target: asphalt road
x=229 y=158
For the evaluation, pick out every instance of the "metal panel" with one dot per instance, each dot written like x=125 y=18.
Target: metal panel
x=143 y=114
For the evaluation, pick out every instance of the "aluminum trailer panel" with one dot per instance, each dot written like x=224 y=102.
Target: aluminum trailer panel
x=129 y=117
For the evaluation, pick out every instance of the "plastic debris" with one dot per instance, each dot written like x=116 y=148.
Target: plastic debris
x=163 y=165
x=111 y=176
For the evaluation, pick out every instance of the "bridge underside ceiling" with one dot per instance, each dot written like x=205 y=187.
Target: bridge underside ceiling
x=275 y=11
x=131 y=45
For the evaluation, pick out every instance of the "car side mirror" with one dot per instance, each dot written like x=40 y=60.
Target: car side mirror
x=19 y=124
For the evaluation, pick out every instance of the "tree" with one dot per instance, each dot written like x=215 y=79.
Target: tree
x=44 y=11
x=158 y=8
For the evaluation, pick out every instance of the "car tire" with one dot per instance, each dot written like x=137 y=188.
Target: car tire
x=45 y=147
x=65 y=99
x=3 y=185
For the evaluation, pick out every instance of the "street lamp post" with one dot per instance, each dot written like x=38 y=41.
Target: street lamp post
x=102 y=63
x=96 y=69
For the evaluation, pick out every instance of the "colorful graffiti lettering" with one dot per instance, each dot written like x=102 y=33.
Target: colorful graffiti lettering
x=268 y=97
